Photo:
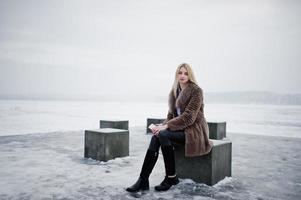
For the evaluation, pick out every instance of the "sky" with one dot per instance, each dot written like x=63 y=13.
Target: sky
x=132 y=47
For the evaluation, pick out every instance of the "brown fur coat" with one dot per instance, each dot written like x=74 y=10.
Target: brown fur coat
x=191 y=120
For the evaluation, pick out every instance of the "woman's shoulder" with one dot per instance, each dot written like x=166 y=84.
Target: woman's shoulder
x=195 y=88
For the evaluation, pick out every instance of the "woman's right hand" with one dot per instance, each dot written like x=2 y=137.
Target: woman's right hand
x=156 y=129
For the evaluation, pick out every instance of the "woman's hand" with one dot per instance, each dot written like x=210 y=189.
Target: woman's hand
x=156 y=130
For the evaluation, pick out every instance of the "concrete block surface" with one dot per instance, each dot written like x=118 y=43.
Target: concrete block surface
x=118 y=124
x=106 y=144
x=217 y=130
x=208 y=169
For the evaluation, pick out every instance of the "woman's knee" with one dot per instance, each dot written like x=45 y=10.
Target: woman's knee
x=154 y=139
x=164 y=137
x=163 y=134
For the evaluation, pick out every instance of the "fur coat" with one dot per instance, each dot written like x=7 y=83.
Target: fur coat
x=191 y=120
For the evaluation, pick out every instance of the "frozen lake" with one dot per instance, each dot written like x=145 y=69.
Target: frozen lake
x=51 y=166
x=23 y=117
x=41 y=152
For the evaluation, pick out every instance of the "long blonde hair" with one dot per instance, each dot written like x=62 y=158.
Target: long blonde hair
x=191 y=77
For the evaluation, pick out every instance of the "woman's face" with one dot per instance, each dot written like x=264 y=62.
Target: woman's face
x=183 y=75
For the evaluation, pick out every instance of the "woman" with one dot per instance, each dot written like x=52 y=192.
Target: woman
x=185 y=124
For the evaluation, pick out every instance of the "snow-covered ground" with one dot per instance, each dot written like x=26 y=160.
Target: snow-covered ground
x=52 y=166
x=50 y=163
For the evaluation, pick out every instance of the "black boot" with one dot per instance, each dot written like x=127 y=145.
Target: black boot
x=167 y=183
x=169 y=162
x=142 y=183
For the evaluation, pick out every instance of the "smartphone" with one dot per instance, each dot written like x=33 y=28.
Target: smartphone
x=151 y=126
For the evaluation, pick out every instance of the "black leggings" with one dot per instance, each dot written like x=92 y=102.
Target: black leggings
x=165 y=138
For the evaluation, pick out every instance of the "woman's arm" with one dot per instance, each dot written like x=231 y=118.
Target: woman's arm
x=190 y=113
x=169 y=117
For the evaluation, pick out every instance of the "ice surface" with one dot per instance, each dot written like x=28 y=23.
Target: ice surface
x=49 y=163
x=23 y=117
x=52 y=166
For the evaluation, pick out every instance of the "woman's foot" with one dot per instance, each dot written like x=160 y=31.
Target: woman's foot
x=141 y=184
x=167 y=183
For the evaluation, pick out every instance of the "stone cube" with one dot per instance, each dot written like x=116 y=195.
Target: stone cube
x=209 y=168
x=106 y=144
x=217 y=130
x=119 y=124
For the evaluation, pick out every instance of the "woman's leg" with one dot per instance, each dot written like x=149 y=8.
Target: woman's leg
x=151 y=157
x=154 y=144
x=166 y=139
x=149 y=162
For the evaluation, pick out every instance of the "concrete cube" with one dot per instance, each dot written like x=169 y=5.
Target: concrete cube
x=107 y=143
x=209 y=168
x=217 y=130
x=119 y=124
x=150 y=121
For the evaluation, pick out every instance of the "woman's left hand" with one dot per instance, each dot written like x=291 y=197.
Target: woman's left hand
x=156 y=130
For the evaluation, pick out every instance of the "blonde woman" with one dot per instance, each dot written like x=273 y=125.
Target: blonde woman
x=185 y=124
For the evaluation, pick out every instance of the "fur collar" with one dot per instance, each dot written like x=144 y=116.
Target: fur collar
x=182 y=99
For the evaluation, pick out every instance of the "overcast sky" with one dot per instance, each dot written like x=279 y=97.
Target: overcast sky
x=134 y=46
